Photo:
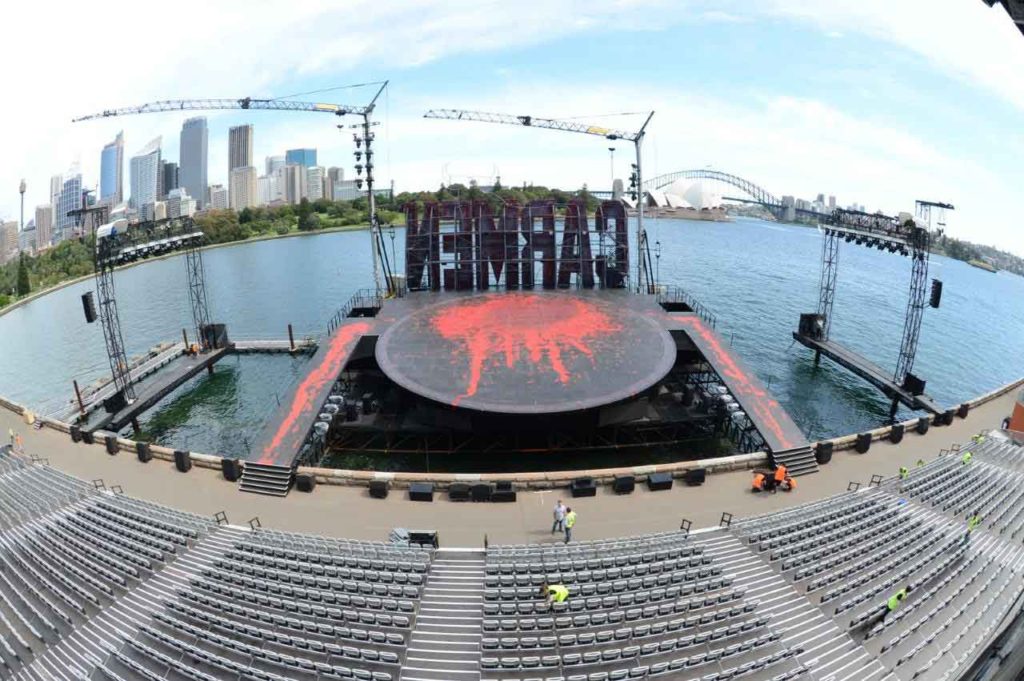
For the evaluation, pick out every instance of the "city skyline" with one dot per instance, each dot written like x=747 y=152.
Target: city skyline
x=869 y=100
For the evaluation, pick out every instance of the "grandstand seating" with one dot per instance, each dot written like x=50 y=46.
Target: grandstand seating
x=100 y=585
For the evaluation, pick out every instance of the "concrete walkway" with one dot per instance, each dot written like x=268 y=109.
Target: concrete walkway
x=350 y=512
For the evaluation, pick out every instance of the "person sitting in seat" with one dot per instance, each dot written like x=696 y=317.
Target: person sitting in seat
x=904 y=472
x=554 y=593
x=966 y=458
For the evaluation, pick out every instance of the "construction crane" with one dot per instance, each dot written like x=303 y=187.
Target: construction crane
x=637 y=138
x=365 y=137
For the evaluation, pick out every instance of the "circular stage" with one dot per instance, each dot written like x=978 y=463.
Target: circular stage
x=526 y=352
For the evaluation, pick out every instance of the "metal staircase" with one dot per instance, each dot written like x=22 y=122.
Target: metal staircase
x=267 y=478
x=798 y=461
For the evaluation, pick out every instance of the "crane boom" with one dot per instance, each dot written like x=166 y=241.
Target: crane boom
x=243 y=103
x=534 y=122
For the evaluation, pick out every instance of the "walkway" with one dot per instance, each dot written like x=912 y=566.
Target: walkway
x=350 y=512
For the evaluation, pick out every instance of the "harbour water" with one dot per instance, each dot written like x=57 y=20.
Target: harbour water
x=756 y=276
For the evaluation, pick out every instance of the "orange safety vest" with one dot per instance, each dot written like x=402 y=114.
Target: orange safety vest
x=780 y=474
x=759 y=481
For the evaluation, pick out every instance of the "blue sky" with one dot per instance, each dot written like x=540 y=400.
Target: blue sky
x=873 y=101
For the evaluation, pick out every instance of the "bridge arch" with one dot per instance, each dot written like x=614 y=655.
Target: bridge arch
x=756 y=192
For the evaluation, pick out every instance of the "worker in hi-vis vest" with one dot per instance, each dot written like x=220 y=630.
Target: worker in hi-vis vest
x=570 y=522
x=904 y=472
x=966 y=458
x=554 y=593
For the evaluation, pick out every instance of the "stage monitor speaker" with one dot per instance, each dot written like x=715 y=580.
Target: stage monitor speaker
x=379 y=489
x=76 y=432
x=87 y=437
x=421 y=491
x=947 y=417
x=695 y=476
x=182 y=461
x=504 y=496
x=922 y=425
x=624 y=484
x=913 y=385
x=115 y=403
x=963 y=410
x=583 y=487
x=896 y=433
x=143 y=452
x=659 y=481
x=111 y=442
x=863 y=443
x=89 y=307
x=231 y=468
x=481 y=491
x=458 y=491
x=423 y=538
x=305 y=482
x=936 y=296
x=823 y=452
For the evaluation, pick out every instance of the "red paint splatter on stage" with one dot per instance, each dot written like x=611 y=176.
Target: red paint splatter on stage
x=516 y=324
x=749 y=391
x=305 y=399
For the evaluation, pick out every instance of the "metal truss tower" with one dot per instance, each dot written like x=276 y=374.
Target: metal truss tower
x=104 y=264
x=827 y=283
x=196 y=277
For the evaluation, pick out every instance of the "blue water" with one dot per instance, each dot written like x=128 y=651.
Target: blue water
x=756 y=276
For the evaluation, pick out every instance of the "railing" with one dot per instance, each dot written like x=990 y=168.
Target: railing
x=674 y=294
x=364 y=298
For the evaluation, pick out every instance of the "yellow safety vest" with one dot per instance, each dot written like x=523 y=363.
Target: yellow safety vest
x=973 y=522
x=570 y=519
x=896 y=599
x=558 y=592
x=904 y=472
x=966 y=458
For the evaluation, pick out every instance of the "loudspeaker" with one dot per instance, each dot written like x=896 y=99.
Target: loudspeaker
x=659 y=481
x=76 y=433
x=583 y=487
x=922 y=425
x=963 y=410
x=305 y=482
x=896 y=434
x=142 y=451
x=695 y=476
x=115 y=403
x=936 y=297
x=823 y=452
x=863 y=442
x=111 y=442
x=379 y=489
x=182 y=461
x=421 y=491
x=913 y=385
x=623 y=484
x=480 y=491
x=87 y=437
x=458 y=491
x=423 y=538
x=231 y=468
x=89 y=307
x=503 y=492
x=948 y=416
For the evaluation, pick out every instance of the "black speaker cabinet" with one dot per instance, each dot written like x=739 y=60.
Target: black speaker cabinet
x=89 y=307
x=423 y=538
x=305 y=482
x=624 y=484
x=87 y=437
x=421 y=491
x=503 y=492
x=823 y=452
x=947 y=417
x=231 y=468
x=458 y=491
x=922 y=425
x=659 y=481
x=896 y=433
x=111 y=443
x=695 y=476
x=963 y=410
x=182 y=461
x=481 y=491
x=142 y=451
x=76 y=433
x=379 y=489
x=863 y=442
x=583 y=487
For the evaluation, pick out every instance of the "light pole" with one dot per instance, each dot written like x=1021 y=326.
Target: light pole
x=21 y=189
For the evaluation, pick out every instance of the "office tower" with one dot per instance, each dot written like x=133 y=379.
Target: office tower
x=170 y=178
x=144 y=175
x=44 y=225
x=294 y=189
x=239 y=147
x=831 y=202
x=315 y=183
x=192 y=161
x=112 y=172
x=8 y=240
x=218 y=199
x=273 y=163
x=267 y=189
x=300 y=157
x=180 y=204
x=70 y=198
x=334 y=176
x=242 y=188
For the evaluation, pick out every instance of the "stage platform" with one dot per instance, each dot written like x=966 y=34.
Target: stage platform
x=154 y=387
x=869 y=371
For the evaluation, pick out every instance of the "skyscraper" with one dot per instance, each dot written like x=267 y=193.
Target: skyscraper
x=315 y=183
x=192 y=171
x=242 y=188
x=273 y=163
x=334 y=176
x=112 y=171
x=8 y=240
x=239 y=147
x=294 y=180
x=44 y=225
x=169 y=179
x=70 y=198
x=300 y=157
x=145 y=176
x=218 y=197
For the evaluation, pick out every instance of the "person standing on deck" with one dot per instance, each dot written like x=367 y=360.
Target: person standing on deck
x=559 y=516
x=570 y=522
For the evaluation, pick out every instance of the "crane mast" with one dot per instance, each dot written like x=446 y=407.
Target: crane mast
x=636 y=137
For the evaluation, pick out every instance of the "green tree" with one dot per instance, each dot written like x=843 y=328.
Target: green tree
x=245 y=216
x=23 y=284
